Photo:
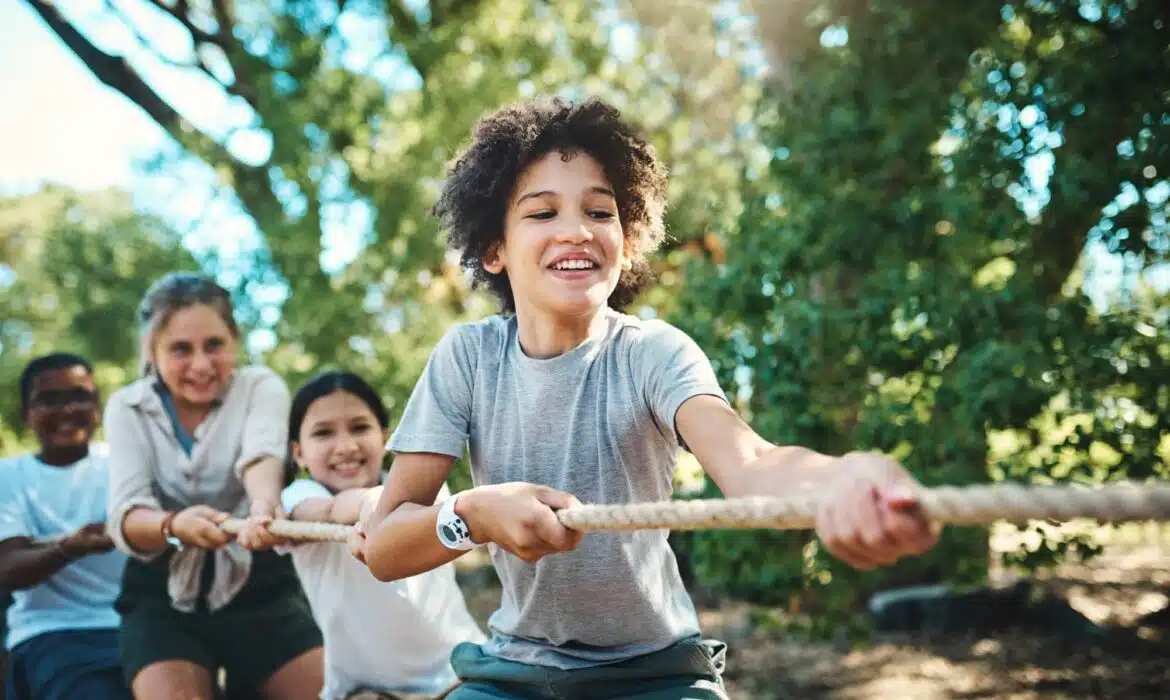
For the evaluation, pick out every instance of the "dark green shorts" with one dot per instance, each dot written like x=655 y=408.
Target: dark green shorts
x=689 y=670
x=268 y=624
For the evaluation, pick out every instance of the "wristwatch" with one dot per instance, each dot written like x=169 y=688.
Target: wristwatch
x=451 y=529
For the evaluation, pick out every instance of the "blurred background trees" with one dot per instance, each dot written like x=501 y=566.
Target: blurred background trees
x=936 y=231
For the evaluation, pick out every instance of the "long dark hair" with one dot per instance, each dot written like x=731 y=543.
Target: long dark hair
x=321 y=385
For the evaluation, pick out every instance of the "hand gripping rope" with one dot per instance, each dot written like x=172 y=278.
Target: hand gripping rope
x=949 y=505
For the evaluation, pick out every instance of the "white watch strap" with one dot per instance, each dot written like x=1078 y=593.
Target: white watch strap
x=451 y=529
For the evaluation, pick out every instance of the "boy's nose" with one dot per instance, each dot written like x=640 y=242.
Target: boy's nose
x=576 y=231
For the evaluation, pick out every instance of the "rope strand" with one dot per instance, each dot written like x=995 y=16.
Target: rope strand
x=949 y=505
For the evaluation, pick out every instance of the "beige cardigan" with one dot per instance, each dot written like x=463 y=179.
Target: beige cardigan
x=148 y=468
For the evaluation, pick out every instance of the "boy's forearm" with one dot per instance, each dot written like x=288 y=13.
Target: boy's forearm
x=25 y=564
x=404 y=543
x=782 y=471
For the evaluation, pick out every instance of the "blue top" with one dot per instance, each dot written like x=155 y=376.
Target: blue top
x=40 y=500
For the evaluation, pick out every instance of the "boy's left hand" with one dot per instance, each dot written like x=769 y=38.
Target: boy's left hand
x=255 y=535
x=870 y=516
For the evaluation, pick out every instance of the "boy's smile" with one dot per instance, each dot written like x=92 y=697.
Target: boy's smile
x=63 y=410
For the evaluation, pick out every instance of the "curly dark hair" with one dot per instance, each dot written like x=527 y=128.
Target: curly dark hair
x=482 y=179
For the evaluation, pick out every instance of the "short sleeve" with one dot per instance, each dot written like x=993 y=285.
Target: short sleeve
x=13 y=509
x=437 y=417
x=671 y=368
x=300 y=491
x=266 y=423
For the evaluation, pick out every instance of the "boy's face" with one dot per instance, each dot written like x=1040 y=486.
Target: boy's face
x=62 y=408
x=563 y=245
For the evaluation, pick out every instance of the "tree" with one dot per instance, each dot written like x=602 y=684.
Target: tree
x=74 y=267
x=349 y=111
x=904 y=281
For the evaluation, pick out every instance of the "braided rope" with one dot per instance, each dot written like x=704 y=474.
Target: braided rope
x=296 y=530
x=949 y=505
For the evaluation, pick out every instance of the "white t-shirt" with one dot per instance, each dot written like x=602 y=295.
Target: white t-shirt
x=40 y=500
x=392 y=637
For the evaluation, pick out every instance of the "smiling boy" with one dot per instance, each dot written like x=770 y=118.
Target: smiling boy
x=554 y=207
x=54 y=554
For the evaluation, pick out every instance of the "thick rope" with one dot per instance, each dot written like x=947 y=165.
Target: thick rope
x=949 y=505
x=296 y=530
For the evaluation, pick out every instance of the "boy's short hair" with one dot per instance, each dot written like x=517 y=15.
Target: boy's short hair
x=482 y=179
x=47 y=363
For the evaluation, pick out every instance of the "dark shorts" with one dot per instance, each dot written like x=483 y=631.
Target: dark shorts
x=689 y=670
x=67 y=665
x=268 y=624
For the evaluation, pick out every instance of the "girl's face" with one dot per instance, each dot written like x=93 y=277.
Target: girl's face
x=563 y=245
x=195 y=355
x=341 y=443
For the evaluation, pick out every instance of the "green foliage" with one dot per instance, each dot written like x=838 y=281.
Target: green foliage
x=73 y=268
x=890 y=287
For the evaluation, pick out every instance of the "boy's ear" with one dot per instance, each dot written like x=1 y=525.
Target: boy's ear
x=492 y=261
x=296 y=453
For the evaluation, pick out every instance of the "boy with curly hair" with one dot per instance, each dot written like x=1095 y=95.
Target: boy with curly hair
x=554 y=207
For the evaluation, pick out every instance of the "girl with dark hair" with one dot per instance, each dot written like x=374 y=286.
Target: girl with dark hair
x=388 y=640
x=192 y=442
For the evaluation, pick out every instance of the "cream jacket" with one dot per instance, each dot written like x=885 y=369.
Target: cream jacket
x=149 y=469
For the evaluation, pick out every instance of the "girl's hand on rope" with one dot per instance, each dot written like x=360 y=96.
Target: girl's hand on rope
x=870 y=516
x=255 y=535
x=519 y=518
x=198 y=526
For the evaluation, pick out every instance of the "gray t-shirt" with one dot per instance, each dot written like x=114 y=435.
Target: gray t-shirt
x=596 y=422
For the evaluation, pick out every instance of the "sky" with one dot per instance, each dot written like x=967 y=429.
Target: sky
x=60 y=124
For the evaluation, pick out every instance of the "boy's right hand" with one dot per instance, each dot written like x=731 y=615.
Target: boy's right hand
x=520 y=518
x=198 y=526
x=357 y=534
x=89 y=539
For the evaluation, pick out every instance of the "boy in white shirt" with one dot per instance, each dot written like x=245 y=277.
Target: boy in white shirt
x=62 y=629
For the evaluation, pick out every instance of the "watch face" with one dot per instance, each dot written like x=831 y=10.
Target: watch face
x=454 y=532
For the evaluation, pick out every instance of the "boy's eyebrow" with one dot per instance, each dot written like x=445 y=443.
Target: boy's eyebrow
x=596 y=189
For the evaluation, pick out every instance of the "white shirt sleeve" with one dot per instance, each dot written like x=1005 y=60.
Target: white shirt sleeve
x=13 y=509
x=300 y=491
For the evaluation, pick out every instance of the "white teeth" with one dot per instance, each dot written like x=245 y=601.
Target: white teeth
x=575 y=265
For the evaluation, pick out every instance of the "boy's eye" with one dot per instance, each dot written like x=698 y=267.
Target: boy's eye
x=322 y=433
x=360 y=427
x=542 y=215
x=601 y=214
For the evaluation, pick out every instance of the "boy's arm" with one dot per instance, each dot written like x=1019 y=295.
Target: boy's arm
x=740 y=462
x=26 y=563
x=400 y=531
x=867 y=515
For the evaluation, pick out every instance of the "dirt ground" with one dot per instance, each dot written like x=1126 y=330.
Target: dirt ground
x=1124 y=589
